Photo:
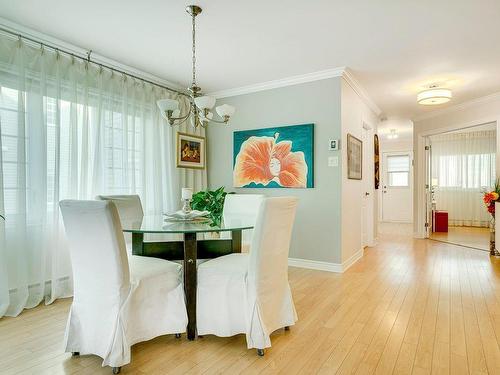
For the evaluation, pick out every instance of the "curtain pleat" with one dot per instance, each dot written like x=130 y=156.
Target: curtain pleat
x=70 y=129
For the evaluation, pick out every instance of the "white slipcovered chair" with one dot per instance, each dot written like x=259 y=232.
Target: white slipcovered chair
x=249 y=293
x=130 y=210
x=118 y=300
x=244 y=207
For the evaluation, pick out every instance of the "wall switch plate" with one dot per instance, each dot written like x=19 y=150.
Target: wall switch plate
x=333 y=161
x=333 y=144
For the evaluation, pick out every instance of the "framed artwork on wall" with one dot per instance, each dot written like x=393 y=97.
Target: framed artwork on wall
x=190 y=151
x=354 y=158
x=277 y=157
x=376 y=155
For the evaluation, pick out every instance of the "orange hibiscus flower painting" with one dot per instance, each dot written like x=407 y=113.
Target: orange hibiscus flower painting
x=275 y=157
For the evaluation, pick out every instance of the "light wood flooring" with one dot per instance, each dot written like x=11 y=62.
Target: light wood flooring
x=478 y=238
x=409 y=306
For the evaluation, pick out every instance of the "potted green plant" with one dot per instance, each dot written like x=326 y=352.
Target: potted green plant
x=212 y=201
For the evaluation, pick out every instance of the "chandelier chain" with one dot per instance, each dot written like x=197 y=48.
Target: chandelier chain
x=194 y=48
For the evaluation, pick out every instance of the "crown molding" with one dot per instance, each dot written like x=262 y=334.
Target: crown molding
x=356 y=86
x=283 y=82
x=343 y=72
x=26 y=31
x=457 y=107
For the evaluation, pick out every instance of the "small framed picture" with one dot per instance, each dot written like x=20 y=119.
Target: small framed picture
x=190 y=151
x=333 y=144
x=354 y=158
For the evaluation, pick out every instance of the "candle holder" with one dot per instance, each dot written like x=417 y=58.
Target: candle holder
x=186 y=206
x=186 y=196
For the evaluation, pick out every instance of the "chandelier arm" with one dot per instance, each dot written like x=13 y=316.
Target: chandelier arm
x=218 y=121
x=181 y=117
x=179 y=121
x=182 y=121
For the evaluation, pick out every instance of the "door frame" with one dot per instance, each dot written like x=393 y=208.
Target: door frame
x=368 y=184
x=420 y=213
x=383 y=175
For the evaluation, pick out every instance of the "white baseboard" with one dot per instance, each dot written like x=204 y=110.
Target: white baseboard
x=326 y=266
x=315 y=265
x=353 y=259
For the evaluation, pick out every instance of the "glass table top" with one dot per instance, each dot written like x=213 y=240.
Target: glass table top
x=158 y=224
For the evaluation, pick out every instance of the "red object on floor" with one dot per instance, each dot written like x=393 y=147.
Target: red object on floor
x=440 y=221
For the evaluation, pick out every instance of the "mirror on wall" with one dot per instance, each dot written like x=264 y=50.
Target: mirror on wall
x=462 y=170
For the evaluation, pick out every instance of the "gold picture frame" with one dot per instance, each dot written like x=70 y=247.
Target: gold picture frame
x=354 y=158
x=191 y=151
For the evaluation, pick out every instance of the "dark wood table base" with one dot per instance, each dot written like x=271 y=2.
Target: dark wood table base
x=190 y=250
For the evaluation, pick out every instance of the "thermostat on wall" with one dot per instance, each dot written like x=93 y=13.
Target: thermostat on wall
x=333 y=144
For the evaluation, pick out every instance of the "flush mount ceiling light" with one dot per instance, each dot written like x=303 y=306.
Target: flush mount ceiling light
x=434 y=96
x=199 y=105
x=392 y=134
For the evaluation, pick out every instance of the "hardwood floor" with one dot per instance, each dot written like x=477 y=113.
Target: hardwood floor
x=475 y=237
x=409 y=306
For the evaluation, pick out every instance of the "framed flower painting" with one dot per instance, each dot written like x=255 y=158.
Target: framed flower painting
x=278 y=157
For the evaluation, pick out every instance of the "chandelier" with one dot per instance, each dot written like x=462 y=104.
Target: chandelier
x=200 y=105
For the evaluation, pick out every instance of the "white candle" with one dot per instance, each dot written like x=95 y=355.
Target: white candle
x=187 y=193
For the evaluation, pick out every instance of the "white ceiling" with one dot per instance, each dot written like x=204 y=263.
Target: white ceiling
x=394 y=47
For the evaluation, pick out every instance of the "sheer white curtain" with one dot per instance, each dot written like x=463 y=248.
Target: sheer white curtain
x=70 y=129
x=463 y=166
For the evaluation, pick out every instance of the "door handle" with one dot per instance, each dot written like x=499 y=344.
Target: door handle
x=366 y=194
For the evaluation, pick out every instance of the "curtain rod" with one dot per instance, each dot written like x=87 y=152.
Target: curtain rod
x=88 y=59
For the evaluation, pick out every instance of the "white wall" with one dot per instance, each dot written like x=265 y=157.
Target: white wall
x=477 y=112
x=395 y=145
x=355 y=113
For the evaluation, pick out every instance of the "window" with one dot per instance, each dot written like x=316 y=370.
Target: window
x=123 y=148
x=60 y=151
x=398 y=170
x=467 y=171
x=13 y=140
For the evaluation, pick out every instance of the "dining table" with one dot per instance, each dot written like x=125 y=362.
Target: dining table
x=195 y=240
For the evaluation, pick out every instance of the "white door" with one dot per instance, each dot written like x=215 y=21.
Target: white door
x=397 y=197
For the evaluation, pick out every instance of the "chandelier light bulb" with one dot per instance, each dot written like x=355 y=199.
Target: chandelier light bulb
x=205 y=102
x=225 y=110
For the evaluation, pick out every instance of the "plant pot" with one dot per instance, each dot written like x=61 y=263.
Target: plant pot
x=493 y=250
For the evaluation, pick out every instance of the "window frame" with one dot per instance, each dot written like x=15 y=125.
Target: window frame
x=386 y=172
